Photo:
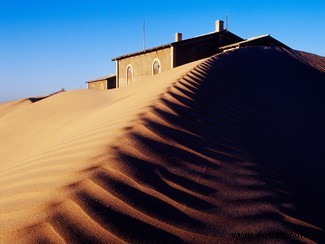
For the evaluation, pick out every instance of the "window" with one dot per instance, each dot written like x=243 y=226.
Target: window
x=101 y=86
x=93 y=87
x=156 y=66
x=129 y=74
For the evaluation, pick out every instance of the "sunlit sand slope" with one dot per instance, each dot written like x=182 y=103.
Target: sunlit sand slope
x=234 y=144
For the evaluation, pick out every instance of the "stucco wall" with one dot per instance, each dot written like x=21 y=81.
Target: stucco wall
x=189 y=52
x=97 y=85
x=142 y=65
x=202 y=48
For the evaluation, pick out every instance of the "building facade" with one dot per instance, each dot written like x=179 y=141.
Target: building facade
x=136 y=66
x=131 y=68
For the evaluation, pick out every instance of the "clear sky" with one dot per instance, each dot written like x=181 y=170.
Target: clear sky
x=46 y=45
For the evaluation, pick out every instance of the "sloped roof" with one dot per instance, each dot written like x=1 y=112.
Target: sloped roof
x=173 y=44
x=257 y=40
x=102 y=78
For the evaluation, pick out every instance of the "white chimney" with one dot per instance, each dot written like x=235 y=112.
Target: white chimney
x=219 y=25
x=178 y=37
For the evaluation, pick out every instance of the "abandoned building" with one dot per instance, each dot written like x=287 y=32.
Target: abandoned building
x=103 y=83
x=136 y=66
x=139 y=65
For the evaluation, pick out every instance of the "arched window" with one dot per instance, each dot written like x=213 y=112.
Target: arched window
x=156 y=66
x=129 y=74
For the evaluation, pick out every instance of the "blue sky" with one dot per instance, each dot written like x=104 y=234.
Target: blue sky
x=46 y=45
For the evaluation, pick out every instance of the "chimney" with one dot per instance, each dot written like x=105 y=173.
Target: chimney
x=178 y=37
x=219 y=25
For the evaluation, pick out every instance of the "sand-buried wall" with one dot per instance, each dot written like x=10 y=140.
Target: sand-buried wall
x=142 y=65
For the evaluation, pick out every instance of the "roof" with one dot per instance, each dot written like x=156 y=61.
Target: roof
x=143 y=51
x=102 y=78
x=257 y=40
x=173 y=44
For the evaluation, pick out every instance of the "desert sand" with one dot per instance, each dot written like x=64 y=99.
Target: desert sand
x=230 y=144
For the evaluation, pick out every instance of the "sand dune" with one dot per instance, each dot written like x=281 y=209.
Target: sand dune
x=230 y=144
x=313 y=60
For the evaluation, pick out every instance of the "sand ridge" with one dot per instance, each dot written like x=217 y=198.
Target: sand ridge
x=45 y=144
x=224 y=147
